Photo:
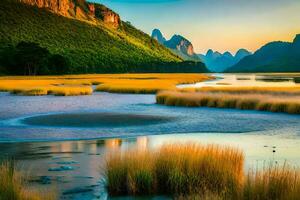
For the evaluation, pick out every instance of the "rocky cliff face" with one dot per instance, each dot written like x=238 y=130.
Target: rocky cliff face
x=181 y=44
x=79 y=9
x=107 y=15
x=57 y=6
x=178 y=44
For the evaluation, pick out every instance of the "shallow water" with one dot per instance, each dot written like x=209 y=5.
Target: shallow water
x=119 y=115
x=76 y=167
x=62 y=141
x=249 y=80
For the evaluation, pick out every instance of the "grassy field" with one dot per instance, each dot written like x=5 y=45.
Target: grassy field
x=247 y=100
x=81 y=84
x=13 y=186
x=190 y=171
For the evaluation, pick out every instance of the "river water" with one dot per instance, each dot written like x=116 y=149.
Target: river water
x=63 y=141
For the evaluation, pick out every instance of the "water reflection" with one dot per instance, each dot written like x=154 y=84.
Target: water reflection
x=86 y=159
x=113 y=143
x=249 y=80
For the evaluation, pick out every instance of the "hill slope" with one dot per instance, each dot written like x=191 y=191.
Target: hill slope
x=91 y=44
x=272 y=57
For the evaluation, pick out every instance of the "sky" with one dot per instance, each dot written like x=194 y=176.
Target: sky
x=221 y=25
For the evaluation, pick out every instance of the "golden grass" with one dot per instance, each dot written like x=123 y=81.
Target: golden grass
x=279 y=90
x=176 y=169
x=263 y=102
x=13 y=186
x=273 y=182
x=190 y=171
x=81 y=84
x=149 y=83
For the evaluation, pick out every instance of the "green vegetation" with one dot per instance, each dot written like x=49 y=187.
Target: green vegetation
x=198 y=172
x=87 y=47
x=29 y=58
x=13 y=185
x=263 y=102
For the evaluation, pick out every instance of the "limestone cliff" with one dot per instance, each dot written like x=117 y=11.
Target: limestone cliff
x=178 y=45
x=181 y=44
x=78 y=9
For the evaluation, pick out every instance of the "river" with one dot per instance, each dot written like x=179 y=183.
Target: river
x=63 y=141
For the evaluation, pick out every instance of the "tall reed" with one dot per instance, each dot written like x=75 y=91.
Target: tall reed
x=176 y=169
x=190 y=171
x=13 y=185
x=272 y=182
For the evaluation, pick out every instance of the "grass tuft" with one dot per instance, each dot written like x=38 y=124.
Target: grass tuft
x=273 y=182
x=13 y=185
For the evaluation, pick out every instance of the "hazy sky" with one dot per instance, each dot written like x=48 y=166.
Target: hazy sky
x=222 y=25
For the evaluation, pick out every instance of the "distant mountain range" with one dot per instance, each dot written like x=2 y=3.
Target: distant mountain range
x=218 y=62
x=272 y=57
x=177 y=44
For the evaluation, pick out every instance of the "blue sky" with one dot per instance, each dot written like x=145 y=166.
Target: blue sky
x=223 y=25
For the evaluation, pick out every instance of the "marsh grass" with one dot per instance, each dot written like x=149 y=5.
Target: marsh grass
x=176 y=170
x=263 y=102
x=13 y=185
x=272 y=182
x=149 y=83
x=72 y=85
x=279 y=90
x=71 y=91
x=195 y=172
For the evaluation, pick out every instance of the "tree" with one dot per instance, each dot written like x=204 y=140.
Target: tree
x=58 y=64
x=31 y=59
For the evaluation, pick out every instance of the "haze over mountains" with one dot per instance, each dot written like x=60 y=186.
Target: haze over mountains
x=178 y=44
x=272 y=57
x=214 y=61
x=218 y=62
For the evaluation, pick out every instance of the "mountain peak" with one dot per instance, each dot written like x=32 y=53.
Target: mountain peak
x=156 y=34
x=241 y=53
x=181 y=44
x=209 y=52
x=227 y=54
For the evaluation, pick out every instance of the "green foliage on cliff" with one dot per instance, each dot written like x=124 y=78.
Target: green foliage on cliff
x=89 y=48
